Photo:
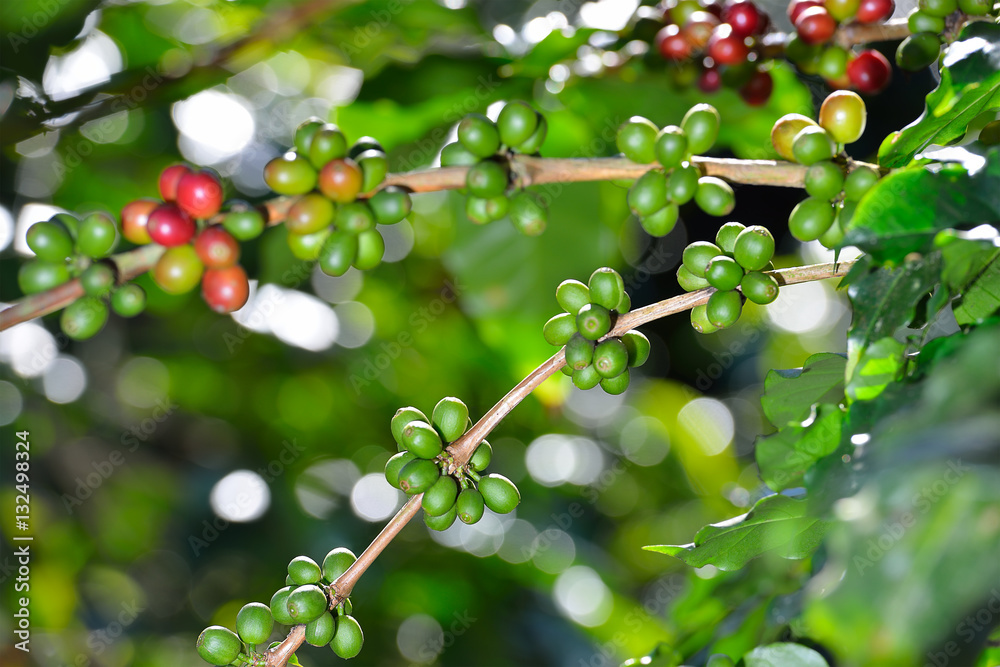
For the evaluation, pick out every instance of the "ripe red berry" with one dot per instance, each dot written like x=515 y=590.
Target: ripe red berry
x=713 y=7
x=217 y=248
x=796 y=7
x=672 y=44
x=815 y=25
x=710 y=80
x=727 y=48
x=745 y=18
x=757 y=91
x=340 y=180
x=225 y=290
x=870 y=72
x=169 y=178
x=875 y=11
x=135 y=217
x=199 y=193
x=169 y=226
x=698 y=28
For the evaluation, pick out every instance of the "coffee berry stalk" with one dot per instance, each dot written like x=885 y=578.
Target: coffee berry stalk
x=423 y=465
x=590 y=312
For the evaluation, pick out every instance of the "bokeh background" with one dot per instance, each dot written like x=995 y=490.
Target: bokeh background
x=179 y=460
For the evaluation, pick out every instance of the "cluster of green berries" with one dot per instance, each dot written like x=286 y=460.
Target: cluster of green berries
x=66 y=247
x=484 y=146
x=656 y=196
x=330 y=221
x=305 y=600
x=738 y=259
x=423 y=465
x=590 y=313
x=927 y=22
x=833 y=193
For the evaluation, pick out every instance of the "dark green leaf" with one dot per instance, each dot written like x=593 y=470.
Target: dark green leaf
x=784 y=655
x=981 y=298
x=970 y=84
x=776 y=524
x=784 y=457
x=789 y=395
x=887 y=299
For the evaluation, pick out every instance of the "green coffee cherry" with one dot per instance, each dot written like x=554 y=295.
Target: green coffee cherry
x=537 y=138
x=50 y=241
x=527 y=214
x=306 y=603
x=610 y=358
x=648 y=194
x=940 y=8
x=479 y=135
x=637 y=139
x=84 y=317
x=682 y=185
x=714 y=196
x=371 y=248
x=725 y=238
x=36 y=276
x=481 y=457
x=348 y=639
x=701 y=125
x=254 y=623
x=662 y=222
x=624 y=304
x=572 y=295
x=403 y=417
x=920 y=22
x=457 y=155
x=395 y=464
x=724 y=308
x=617 y=384
x=593 y=321
x=480 y=211
x=579 y=352
x=499 y=493
x=304 y=570
x=374 y=167
x=810 y=219
x=688 y=281
x=858 y=182
x=586 y=378
x=128 y=300
x=450 y=417
x=441 y=521
x=337 y=562
x=606 y=287
x=320 y=632
x=824 y=180
x=918 y=51
x=306 y=247
x=418 y=476
x=488 y=178
x=244 y=222
x=637 y=346
x=97 y=280
x=390 y=205
x=516 y=123
x=671 y=146
x=761 y=288
x=290 y=174
x=305 y=132
x=421 y=439
x=338 y=253
x=218 y=645
x=754 y=248
x=696 y=257
x=364 y=144
x=97 y=235
x=441 y=496
x=327 y=143
x=813 y=144
x=470 y=505
x=347 y=607
x=355 y=217
x=560 y=328
x=723 y=273
x=700 y=322
x=279 y=606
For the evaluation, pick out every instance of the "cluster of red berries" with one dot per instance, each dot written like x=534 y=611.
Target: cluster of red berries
x=196 y=251
x=724 y=38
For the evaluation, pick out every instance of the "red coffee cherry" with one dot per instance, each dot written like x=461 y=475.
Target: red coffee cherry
x=745 y=18
x=815 y=25
x=757 y=91
x=135 y=217
x=727 y=48
x=225 y=290
x=340 y=180
x=169 y=178
x=875 y=11
x=796 y=7
x=170 y=226
x=199 y=193
x=216 y=248
x=698 y=28
x=870 y=72
x=671 y=44
x=710 y=80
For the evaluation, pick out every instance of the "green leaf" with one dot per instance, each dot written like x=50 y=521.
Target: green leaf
x=786 y=456
x=970 y=84
x=879 y=365
x=886 y=300
x=784 y=655
x=789 y=395
x=981 y=298
x=776 y=524
x=904 y=211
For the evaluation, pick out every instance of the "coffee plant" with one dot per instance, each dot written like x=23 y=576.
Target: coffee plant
x=789 y=487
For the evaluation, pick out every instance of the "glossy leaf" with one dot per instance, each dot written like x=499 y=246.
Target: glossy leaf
x=789 y=395
x=786 y=456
